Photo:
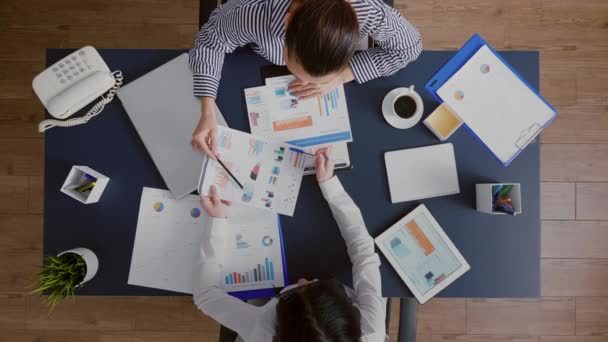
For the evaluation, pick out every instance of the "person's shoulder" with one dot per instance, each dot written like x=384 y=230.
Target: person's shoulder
x=245 y=5
x=369 y=5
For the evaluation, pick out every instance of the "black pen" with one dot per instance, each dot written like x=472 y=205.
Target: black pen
x=230 y=173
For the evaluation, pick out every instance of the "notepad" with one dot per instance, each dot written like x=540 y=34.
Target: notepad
x=421 y=172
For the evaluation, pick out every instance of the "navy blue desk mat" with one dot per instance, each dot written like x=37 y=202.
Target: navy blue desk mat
x=503 y=251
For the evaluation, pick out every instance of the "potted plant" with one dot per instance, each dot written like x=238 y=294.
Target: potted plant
x=62 y=274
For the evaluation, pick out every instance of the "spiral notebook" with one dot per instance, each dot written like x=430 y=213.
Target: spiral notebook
x=422 y=172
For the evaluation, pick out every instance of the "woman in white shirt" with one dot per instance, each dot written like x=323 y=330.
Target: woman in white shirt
x=320 y=310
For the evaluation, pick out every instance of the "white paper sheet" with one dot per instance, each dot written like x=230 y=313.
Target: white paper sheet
x=168 y=239
x=270 y=172
x=495 y=104
x=274 y=113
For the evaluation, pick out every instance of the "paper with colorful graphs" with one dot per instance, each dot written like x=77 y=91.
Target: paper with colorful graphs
x=274 y=113
x=257 y=172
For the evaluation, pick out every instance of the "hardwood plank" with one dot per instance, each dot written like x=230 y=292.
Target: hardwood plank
x=574 y=239
x=36 y=194
x=574 y=339
x=25 y=43
x=557 y=201
x=542 y=316
x=483 y=338
x=438 y=36
x=555 y=59
x=483 y=12
x=578 y=124
x=574 y=277
x=556 y=37
x=20 y=232
x=421 y=338
x=122 y=11
x=170 y=313
x=20 y=118
x=16 y=78
x=393 y=329
x=148 y=36
x=592 y=12
x=21 y=157
x=13 y=194
x=442 y=316
x=558 y=85
x=418 y=13
x=50 y=336
x=591 y=201
x=592 y=316
x=18 y=270
x=12 y=311
x=574 y=162
x=84 y=314
x=592 y=85
x=158 y=336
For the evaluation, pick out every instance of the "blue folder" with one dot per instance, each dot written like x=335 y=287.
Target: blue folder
x=269 y=292
x=459 y=59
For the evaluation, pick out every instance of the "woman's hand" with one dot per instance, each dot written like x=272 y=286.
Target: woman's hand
x=212 y=204
x=304 y=90
x=205 y=134
x=324 y=165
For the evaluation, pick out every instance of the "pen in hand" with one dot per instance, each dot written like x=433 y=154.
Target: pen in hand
x=228 y=171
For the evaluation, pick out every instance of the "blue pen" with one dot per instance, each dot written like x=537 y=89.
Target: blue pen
x=496 y=189
x=300 y=151
x=89 y=177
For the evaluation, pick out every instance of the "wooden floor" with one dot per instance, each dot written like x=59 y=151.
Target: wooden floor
x=572 y=36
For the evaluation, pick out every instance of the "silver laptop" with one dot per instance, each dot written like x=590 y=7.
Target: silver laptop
x=164 y=112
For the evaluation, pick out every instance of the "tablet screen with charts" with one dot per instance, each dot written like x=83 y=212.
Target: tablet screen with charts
x=422 y=254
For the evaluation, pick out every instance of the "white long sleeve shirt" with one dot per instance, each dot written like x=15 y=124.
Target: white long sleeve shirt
x=257 y=324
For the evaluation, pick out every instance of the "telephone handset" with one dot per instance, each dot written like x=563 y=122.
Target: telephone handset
x=72 y=83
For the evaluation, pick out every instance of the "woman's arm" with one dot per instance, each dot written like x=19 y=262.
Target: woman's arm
x=360 y=247
x=228 y=27
x=208 y=296
x=399 y=43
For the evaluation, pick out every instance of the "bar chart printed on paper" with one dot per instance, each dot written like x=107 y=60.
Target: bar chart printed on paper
x=269 y=172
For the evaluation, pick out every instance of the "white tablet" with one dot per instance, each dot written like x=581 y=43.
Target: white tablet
x=422 y=254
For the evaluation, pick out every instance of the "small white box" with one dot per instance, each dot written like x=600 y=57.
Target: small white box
x=77 y=177
x=485 y=198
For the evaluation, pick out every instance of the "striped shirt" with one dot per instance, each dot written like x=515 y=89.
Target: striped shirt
x=260 y=24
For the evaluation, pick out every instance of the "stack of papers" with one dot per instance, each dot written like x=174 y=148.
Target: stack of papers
x=311 y=124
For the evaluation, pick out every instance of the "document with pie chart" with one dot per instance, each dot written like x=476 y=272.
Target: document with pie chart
x=168 y=239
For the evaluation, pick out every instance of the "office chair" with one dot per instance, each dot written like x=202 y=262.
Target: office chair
x=408 y=306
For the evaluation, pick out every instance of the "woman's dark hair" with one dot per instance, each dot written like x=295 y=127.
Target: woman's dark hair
x=322 y=35
x=320 y=311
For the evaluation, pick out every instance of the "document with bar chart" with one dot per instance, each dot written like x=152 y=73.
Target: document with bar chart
x=274 y=113
x=254 y=258
x=269 y=172
x=168 y=238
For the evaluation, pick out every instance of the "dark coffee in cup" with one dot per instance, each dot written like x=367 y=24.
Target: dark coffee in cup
x=405 y=106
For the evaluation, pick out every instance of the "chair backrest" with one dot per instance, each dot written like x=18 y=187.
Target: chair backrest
x=207 y=6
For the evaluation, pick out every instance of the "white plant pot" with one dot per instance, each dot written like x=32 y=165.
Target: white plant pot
x=90 y=259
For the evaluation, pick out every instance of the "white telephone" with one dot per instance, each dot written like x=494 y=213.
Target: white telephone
x=72 y=83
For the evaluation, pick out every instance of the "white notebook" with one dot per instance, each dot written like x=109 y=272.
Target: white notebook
x=421 y=172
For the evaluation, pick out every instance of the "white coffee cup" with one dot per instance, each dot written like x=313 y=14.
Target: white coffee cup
x=391 y=116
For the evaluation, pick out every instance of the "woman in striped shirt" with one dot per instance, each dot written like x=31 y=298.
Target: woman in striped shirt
x=315 y=39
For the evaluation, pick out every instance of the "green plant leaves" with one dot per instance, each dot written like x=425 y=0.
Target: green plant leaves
x=59 y=277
